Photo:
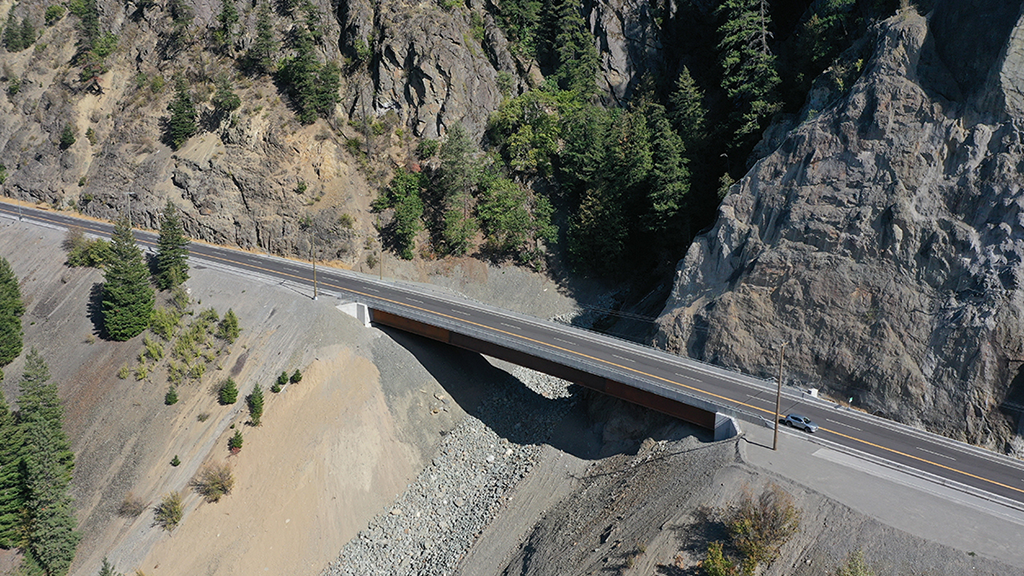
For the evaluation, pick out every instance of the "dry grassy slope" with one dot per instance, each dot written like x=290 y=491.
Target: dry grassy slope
x=333 y=450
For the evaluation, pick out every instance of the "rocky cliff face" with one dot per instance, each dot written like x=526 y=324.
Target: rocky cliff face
x=884 y=239
x=411 y=69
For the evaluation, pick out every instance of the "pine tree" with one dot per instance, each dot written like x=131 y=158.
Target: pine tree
x=669 y=178
x=224 y=99
x=687 y=111
x=456 y=177
x=228 y=392
x=107 y=569
x=228 y=18
x=171 y=250
x=11 y=496
x=265 y=46
x=235 y=443
x=11 y=309
x=127 y=296
x=182 y=124
x=255 y=404
x=46 y=466
x=748 y=65
x=12 y=36
x=571 y=48
x=28 y=33
x=171 y=398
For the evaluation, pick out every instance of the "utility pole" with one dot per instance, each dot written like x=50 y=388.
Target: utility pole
x=778 y=397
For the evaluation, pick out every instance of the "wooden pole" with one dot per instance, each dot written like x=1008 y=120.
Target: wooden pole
x=778 y=397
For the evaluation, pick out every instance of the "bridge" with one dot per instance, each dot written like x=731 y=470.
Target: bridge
x=699 y=393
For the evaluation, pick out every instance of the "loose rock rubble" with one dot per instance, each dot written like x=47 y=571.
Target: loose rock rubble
x=428 y=529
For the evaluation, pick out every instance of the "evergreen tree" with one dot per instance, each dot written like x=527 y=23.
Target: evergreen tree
x=235 y=443
x=182 y=124
x=88 y=13
x=224 y=99
x=403 y=194
x=46 y=466
x=255 y=403
x=326 y=98
x=228 y=392
x=228 y=18
x=519 y=19
x=28 y=33
x=748 y=65
x=264 y=47
x=127 y=296
x=171 y=398
x=171 y=250
x=687 y=111
x=107 y=569
x=456 y=177
x=67 y=137
x=504 y=216
x=11 y=309
x=299 y=74
x=12 y=36
x=669 y=178
x=570 y=48
x=11 y=496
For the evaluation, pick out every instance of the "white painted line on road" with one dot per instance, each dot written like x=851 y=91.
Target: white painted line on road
x=509 y=326
x=624 y=358
x=418 y=301
x=371 y=289
x=687 y=377
x=564 y=341
x=936 y=454
x=461 y=313
x=843 y=424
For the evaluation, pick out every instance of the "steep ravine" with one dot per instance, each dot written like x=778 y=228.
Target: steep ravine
x=883 y=240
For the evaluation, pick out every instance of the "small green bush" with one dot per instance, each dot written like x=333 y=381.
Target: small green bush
x=67 y=137
x=171 y=398
x=123 y=372
x=154 y=349
x=282 y=379
x=214 y=481
x=228 y=329
x=169 y=512
x=296 y=377
x=175 y=461
x=228 y=393
x=53 y=14
x=131 y=506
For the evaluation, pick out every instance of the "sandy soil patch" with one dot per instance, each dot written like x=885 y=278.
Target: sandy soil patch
x=306 y=479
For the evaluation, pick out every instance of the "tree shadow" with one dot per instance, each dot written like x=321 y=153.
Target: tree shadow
x=94 y=308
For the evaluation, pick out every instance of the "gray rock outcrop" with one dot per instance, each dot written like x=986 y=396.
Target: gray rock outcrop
x=884 y=239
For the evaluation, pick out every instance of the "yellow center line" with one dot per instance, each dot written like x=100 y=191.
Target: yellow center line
x=595 y=359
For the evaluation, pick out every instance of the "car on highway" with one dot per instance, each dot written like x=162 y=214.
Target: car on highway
x=802 y=422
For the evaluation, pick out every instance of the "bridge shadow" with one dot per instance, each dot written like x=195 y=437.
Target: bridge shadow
x=587 y=424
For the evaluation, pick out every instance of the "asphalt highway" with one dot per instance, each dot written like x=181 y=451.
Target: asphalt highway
x=996 y=477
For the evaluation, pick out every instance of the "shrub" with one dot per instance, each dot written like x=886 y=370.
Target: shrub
x=84 y=252
x=235 y=442
x=760 y=527
x=53 y=14
x=203 y=417
x=228 y=328
x=855 y=566
x=175 y=461
x=171 y=398
x=67 y=137
x=169 y=512
x=165 y=322
x=197 y=370
x=296 y=377
x=154 y=349
x=124 y=371
x=141 y=371
x=228 y=393
x=282 y=379
x=214 y=481
x=131 y=506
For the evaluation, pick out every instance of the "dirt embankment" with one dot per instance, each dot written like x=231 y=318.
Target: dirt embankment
x=333 y=450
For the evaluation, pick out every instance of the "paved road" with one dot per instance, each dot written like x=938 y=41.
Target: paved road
x=932 y=457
